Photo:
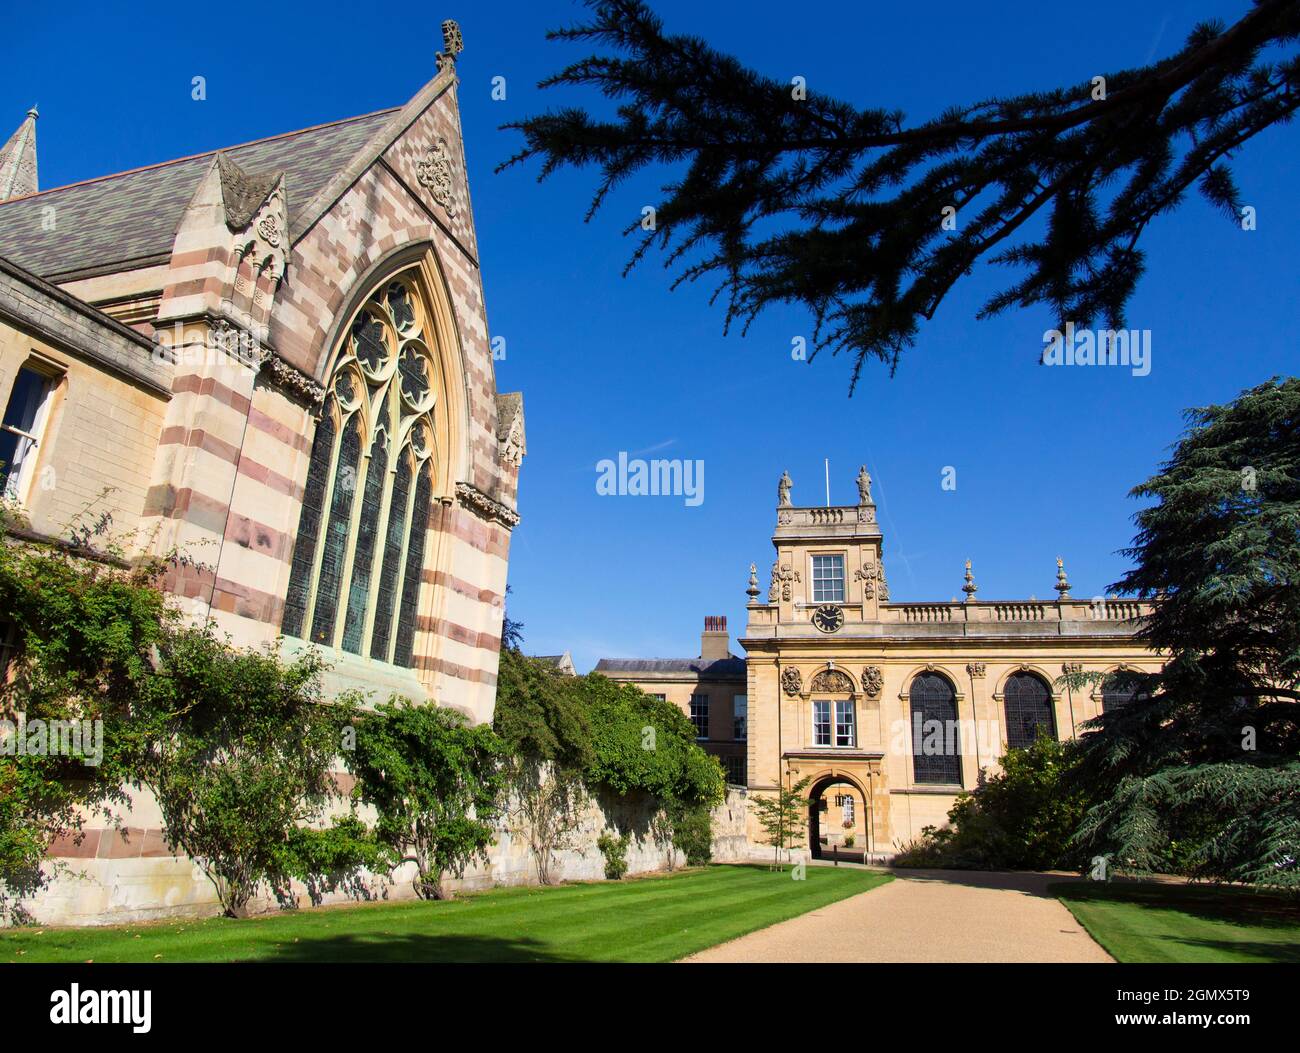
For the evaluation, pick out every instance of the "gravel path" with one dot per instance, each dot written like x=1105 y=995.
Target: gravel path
x=927 y=916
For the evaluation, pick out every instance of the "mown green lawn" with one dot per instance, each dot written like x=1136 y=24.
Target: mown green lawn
x=654 y=919
x=1150 y=922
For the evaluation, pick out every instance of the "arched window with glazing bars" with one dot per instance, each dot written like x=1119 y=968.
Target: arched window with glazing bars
x=359 y=556
x=936 y=734
x=1028 y=703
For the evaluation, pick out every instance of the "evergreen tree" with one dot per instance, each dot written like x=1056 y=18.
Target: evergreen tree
x=1199 y=771
x=789 y=196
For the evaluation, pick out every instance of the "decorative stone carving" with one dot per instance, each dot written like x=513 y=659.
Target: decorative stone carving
x=1062 y=585
x=258 y=219
x=752 y=590
x=864 y=486
x=867 y=514
x=1072 y=668
x=485 y=507
x=774 y=590
x=873 y=681
x=510 y=428
x=433 y=172
x=975 y=669
x=783 y=490
x=791 y=681
x=884 y=585
x=270 y=230
x=832 y=682
x=453 y=43
x=970 y=588
x=867 y=575
x=788 y=576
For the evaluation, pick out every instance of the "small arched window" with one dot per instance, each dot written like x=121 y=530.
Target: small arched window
x=359 y=556
x=936 y=739
x=1028 y=702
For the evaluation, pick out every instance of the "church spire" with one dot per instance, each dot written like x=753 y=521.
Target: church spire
x=18 y=160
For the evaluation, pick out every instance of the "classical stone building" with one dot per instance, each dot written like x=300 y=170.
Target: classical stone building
x=273 y=358
x=709 y=689
x=897 y=706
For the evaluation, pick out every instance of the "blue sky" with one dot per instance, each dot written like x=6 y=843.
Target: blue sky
x=1044 y=457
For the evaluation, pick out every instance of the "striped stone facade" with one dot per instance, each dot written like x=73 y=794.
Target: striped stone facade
x=254 y=301
x=192 y=314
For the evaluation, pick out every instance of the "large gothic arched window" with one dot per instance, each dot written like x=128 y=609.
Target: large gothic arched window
x=1029 y=710
x=359 y=556
x=936 y=741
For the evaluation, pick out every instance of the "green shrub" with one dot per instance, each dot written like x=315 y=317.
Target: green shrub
x=692 y=832
x=1019 y=819
x=614 y=849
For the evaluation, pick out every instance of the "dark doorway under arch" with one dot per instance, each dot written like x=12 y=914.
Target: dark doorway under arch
x=816 y=797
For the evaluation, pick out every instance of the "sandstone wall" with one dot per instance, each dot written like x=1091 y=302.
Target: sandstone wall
x=130 y=875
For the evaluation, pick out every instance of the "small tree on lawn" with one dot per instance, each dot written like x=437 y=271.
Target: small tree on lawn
x=436 y=783
x=781 y=817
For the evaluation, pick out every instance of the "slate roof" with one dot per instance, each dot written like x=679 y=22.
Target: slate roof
x=721 y=669
x=129 y=219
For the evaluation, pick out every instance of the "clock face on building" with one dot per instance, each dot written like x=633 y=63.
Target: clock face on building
x=828 y=617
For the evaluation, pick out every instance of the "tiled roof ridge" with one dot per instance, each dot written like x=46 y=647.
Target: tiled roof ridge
x=204 y=153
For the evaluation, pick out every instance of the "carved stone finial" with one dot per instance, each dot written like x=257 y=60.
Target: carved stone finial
x=752 y=591
x=453 y=43
x=783 y=490
x=864 y=486
x=1062 y=582
x=970 y=588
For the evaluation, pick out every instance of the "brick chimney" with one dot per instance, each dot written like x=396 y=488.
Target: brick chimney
x=715 y=641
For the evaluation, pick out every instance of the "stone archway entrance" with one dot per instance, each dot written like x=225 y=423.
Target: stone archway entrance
x=839 y=818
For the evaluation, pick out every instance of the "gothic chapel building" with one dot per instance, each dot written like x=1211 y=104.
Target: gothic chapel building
x=274 y=358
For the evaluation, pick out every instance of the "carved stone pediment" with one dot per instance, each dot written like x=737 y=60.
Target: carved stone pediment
x=832 y=682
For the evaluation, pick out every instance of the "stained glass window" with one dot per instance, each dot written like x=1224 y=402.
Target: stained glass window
x=394 y=543
x=358 y=563
x=313 y=505
x=408 y=607
x=335 y=550
x=362 y=561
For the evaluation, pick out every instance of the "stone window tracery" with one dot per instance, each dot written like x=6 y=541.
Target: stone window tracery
x=358 y=560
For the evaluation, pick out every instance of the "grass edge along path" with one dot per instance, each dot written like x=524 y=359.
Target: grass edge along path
x=1145 y=921
x=656 y=918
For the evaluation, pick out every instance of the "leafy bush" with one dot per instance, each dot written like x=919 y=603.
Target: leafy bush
x=692 y=832
x=328 y=859
x=436 y=782
x=614 y=849
x=646 y=744
x=237 y=748
x=1022 y=818
x=84 y=625
x=544 y=727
